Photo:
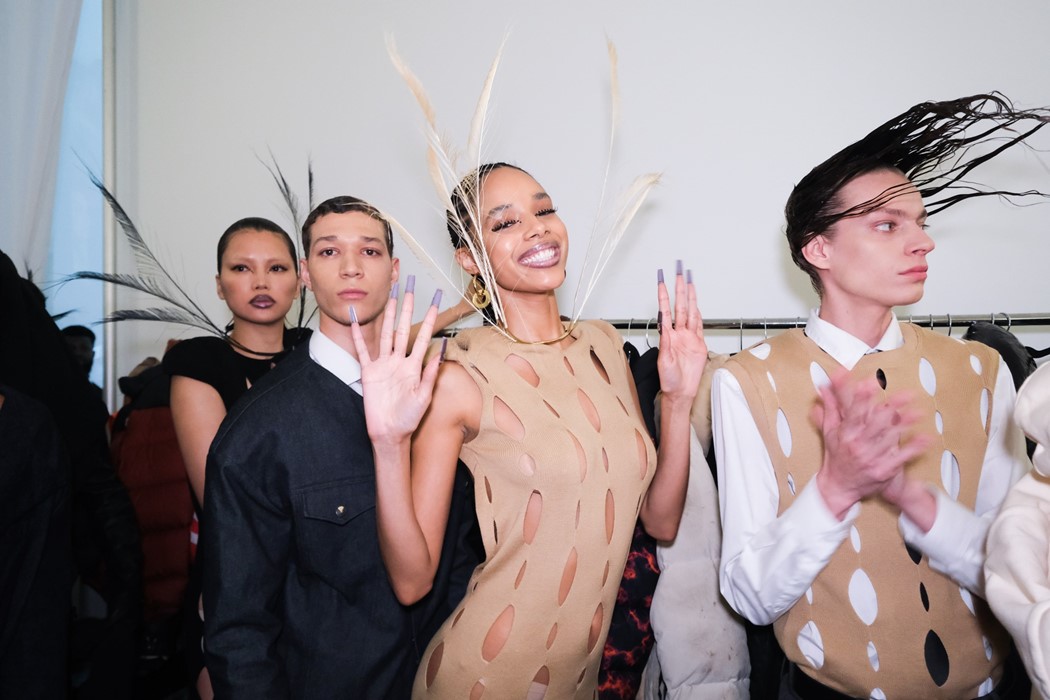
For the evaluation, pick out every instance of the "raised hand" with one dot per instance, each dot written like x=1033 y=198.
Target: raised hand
x=683 y=352
x=865 y=448
x=397 y=388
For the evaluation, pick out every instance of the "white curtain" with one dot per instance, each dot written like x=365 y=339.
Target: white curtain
x=36 y=46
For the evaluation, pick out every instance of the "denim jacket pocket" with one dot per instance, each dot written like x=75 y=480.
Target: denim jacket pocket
x=332 y=521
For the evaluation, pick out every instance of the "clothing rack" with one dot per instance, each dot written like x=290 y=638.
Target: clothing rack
x=949 y=321
x=927 y=320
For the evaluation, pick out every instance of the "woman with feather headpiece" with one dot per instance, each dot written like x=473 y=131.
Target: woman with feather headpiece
x=258 y=279
x=544 y=413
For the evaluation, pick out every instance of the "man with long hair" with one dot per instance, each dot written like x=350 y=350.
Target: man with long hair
x=862 y=459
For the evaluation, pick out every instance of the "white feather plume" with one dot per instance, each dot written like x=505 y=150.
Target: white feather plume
x=446 y=176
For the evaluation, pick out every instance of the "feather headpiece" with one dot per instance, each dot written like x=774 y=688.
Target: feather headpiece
x=291 y=200
x=450 y=177
x=153 y=278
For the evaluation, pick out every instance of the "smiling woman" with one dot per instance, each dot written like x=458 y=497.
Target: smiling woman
x=545 y=415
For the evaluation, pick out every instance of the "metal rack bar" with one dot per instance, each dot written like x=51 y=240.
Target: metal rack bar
x=926 y=320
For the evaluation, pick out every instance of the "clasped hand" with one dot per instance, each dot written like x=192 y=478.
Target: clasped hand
x=865 y=443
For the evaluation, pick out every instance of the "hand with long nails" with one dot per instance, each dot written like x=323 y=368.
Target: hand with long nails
x=683 y=351
x=680 y=363
x=397 y=388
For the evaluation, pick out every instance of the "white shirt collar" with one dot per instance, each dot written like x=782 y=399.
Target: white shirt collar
x=325 y=352
x=847 y=349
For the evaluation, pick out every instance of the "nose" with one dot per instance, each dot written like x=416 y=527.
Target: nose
x=922 y=242
x=260 y=280
x=538 y=227
x=349 y=266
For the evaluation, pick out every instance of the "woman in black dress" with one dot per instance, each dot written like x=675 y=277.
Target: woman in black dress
x=258 y=279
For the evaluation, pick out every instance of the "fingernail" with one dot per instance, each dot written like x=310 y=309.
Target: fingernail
x=394 y=290
x=660 y=276
x=659 y=321
x=678 y=267
x=689 y=276
x=444 y=344
x=410 y=284
x=353 y=315
x=436 y=301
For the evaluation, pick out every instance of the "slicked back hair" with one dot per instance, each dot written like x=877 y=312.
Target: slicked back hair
x=254 y=223
x=342 y=205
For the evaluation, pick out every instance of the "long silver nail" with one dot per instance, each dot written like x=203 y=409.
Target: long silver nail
x=444 y=344
x=410 y=284
x=353 y=315
x=436 y=301
x=394 y=290
x=678 y=267
x=689 y=276
x=660 y=276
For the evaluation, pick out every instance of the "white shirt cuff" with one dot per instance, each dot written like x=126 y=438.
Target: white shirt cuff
x=816 y=519
x=955 y=543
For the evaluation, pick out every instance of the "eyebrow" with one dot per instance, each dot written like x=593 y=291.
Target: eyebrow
x=503 y=207
x=893 y=211
x=363 y=239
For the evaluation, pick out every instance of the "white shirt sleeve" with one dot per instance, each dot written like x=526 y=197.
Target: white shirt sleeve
x=768 y=562
x=955 y=545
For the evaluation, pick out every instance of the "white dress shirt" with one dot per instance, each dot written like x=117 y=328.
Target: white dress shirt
x=327 y=353
x=769 y=562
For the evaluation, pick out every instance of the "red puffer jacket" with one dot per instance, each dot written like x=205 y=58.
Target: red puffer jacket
x=147 y=458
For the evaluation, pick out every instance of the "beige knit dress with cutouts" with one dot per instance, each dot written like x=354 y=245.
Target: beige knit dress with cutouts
x=560 y=465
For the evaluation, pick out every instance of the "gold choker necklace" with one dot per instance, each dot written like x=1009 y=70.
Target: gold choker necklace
x=571 y=327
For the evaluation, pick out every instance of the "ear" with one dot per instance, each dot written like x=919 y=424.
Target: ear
x=304 y=273
x=817 y=252
x=218 y=288
x=395 y=270
x=466 y=261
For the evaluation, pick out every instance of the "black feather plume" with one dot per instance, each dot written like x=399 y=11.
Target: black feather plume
x=291 y=201
x=152 y=278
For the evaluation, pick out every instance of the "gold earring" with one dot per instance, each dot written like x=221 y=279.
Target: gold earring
x=479 y=295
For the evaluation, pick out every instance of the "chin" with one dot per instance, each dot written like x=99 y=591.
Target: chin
x=909 y=299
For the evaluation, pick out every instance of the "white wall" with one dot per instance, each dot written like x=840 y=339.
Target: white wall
x=733 y=102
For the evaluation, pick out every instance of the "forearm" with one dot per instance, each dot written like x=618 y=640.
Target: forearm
x=769 y=559
x=403 y=545
x=955 y=542
x=765 y=570
x=662 y=507
x=446 y=318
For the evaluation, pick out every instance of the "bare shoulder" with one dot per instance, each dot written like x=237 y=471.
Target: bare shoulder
x=457 y=400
